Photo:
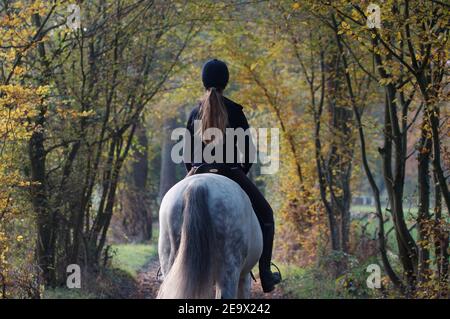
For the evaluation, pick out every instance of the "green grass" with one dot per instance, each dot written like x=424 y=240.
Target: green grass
x=306 y=283
x=372 y=224
x=372 y=230
x=371 y=209
x=362 y=209
x=116 y=282
x=65 y=293
x=131 y=258
x=316 y=282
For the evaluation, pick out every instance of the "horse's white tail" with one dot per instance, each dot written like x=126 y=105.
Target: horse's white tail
x=192 y=273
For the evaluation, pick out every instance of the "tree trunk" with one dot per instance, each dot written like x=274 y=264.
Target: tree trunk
x=335 y=172
x=339 y=164
x=386 y=162
x=423 y=215
x=441 y=242
x=168 y=168
x=394 y=181
x=118 y=152
x=134 y=219
x=44 y=218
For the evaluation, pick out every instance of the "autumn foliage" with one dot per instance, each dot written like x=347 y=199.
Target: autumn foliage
x=362 y=111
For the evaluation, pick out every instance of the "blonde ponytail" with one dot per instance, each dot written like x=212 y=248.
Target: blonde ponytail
x=213 y=113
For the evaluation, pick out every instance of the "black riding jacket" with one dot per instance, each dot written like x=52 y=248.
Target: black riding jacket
x=236 y=119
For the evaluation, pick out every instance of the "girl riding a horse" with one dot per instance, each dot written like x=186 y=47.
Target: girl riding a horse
x=217 y=111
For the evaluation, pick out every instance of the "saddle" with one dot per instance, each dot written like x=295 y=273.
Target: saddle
x=215 y=168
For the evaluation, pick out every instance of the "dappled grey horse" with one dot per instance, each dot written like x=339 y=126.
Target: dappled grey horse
x=209 y=235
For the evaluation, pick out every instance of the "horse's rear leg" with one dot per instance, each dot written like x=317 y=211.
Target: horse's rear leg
x=245 y=286
x=166 y=249
x=227 y=286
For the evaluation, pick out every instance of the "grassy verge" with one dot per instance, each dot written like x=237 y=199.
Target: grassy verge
x=65 y=293
x=117 y=281
x=305 y=283
x=131 y=258
x=317 y=283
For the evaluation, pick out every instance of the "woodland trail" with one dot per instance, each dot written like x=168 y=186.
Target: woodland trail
x=149 y=285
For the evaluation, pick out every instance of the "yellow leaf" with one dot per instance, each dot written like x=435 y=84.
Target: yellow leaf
x=253 y=66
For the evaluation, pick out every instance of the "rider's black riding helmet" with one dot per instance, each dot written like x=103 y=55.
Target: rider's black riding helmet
x=215 y=74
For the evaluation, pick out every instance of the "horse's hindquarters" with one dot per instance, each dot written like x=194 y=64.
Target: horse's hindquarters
x=216 y=234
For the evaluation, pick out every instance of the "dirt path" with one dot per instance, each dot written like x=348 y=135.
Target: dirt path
x=149 y=285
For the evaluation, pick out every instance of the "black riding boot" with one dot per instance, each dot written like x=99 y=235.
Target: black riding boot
x=268 y=278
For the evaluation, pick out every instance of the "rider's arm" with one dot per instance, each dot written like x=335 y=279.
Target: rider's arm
x=189 y=138
x=249 y=146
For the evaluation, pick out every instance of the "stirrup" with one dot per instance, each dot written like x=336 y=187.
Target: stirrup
x=271 y=279
x=278 y=269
